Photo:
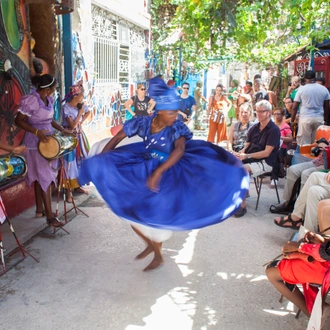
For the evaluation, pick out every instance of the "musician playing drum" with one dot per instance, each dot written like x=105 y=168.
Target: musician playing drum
x=75 y=112
x=35 y=116
x=14 y=150
x=218 y=104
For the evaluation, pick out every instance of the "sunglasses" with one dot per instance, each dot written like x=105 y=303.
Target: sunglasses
x=142 y=89
x=185 y=88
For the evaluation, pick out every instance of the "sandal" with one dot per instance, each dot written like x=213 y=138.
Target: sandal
x=295 y=224
x=54 y=222
x=40 y=214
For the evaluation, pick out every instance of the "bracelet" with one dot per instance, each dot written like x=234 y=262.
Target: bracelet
x=36 y=133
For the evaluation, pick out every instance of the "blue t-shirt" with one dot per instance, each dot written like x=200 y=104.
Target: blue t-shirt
x=186 y=106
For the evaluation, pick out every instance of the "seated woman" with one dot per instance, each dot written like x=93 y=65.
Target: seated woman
x=303 y=263
x=238 y=131
x=316 y=188
x=286 y=138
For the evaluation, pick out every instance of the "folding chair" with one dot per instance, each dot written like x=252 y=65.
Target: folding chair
x=258 y=184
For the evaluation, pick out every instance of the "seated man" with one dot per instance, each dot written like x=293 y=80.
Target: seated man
x=261 y=147
x=294 y=172
x=316 y=189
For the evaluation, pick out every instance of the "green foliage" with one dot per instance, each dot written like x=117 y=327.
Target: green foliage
x=263 y=31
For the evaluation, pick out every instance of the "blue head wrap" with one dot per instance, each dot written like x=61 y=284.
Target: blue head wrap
x=166 y=97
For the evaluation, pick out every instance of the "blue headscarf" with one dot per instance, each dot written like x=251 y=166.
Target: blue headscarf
x=166 y=97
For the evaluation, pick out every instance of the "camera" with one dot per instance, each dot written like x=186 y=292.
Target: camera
x=321 y=144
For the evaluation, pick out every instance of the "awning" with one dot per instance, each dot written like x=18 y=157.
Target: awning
x=172 y=38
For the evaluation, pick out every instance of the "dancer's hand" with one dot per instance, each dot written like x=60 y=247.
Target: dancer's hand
x=153 y=181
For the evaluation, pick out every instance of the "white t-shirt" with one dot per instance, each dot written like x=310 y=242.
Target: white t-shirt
x=311 y=98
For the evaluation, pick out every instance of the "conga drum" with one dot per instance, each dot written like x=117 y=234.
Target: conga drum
x=57 y=146
x=12 y=167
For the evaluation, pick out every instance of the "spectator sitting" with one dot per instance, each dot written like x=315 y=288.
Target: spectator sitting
x=314 y=108
x=286 y=137
x=238 y=131
x=261 y=147
x=303 y=263
x=294 y=172
x=315 y=189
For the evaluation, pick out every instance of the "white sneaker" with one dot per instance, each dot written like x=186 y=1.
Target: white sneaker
x=272 y=183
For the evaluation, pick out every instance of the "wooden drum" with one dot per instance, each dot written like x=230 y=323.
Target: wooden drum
x=57 y=146
x=12 y=167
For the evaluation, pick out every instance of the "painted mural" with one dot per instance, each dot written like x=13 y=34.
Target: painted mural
x=14 y=70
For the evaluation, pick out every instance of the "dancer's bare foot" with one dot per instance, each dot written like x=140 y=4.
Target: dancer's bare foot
x=81 y=191
x=149 y=249
x=155 y=263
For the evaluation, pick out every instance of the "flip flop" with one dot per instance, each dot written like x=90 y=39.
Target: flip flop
x=294 y=223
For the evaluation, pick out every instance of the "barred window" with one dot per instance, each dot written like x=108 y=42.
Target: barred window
x=106 y=60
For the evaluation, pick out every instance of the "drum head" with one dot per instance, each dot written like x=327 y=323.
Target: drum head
x=49 y=150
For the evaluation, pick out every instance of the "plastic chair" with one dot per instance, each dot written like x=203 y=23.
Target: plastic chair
x=258 y=184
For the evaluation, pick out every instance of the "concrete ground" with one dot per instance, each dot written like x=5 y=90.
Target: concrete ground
x=211 y=279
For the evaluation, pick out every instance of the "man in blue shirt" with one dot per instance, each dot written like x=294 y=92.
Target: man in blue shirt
x=261 y=147
x=187 y=105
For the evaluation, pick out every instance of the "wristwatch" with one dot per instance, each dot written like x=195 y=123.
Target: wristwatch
x=248 y=156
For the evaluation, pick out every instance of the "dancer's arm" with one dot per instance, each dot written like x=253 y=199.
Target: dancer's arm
x=115 y=141
x=175 y=156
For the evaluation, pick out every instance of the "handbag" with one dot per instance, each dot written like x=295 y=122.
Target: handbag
x=326 y=156
x=128 y=115
x=217 y=116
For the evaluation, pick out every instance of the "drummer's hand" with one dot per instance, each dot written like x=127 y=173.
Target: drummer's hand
x=153 y=181
x=67 y=131
x=81 y=112
x=42 y=135
x=19 y=150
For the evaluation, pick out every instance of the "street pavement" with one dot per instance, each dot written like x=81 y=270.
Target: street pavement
x=212 y=278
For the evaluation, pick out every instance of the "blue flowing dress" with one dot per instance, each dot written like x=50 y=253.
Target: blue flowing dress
x=206 y=186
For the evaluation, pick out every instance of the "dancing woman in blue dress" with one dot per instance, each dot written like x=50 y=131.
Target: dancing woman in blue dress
x=168 y=181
